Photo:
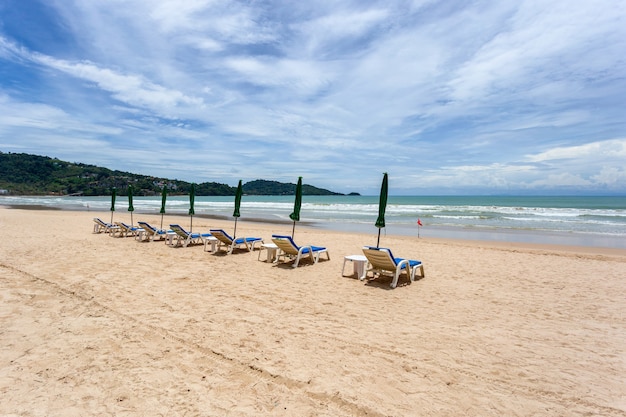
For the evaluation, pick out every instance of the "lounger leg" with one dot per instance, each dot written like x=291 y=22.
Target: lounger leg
x=394 y=283
x=414 y=271
x=403 y=264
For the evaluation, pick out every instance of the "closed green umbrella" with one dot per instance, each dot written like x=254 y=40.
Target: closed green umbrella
x=113 y=195
x=163 y=198
x=130 y=203
x=382 y=206
x=236 y=213
x=295 y=216
x=192 y=198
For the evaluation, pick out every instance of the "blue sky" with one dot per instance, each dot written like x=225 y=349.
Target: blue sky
x=448 y=97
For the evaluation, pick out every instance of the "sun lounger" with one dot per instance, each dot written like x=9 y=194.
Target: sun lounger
x=288 y=249
x=125 y=230
x=383 y=262
x=100 y=226
x=150 y=232
x=186 y=238
x=241 y=242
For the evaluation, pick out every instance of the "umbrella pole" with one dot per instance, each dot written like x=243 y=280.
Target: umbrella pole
x=131 y=219
x=161 y=221
x=378 y=241
x=191 y=227
x=293 y=230
x=235 y=232
x=111 y=217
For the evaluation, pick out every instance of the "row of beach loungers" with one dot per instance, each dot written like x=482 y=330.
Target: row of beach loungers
x=380 y=261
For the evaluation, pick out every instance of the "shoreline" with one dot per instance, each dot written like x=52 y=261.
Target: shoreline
x=502 y=236
x=145 y=213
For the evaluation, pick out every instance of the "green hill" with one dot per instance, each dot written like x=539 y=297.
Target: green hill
x=25 y=174
x=264 y=187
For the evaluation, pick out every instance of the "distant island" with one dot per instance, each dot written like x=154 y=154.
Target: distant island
x=26 y=174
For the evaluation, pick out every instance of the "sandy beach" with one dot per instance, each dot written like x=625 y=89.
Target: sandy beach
x=94 y=325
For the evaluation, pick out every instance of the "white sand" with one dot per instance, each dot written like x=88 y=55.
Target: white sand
x=94 y=325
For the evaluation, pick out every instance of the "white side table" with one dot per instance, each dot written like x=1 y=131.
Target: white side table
x=358 y=265
x=212 y=240
x=169 y=238
x=140 y=234
x=271 y=251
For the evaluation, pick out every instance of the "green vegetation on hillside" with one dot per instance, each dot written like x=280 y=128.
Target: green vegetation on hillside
x=24 y=174
x=264 y=187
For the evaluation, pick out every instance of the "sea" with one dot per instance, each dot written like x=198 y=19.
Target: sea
x=580 y=221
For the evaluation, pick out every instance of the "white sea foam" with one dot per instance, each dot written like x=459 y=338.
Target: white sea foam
x=584 y=215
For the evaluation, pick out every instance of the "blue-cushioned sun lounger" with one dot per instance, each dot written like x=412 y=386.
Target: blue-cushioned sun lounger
x=382 y=261
x=289 y=249
x=241 y=242
x=186 y=238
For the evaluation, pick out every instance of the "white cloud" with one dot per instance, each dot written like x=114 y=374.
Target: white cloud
x=44 y=119
x=563 y=179
x=614 y=148
x=131 y=89
x=612 y=177
x=322 y=34
x=542 y=43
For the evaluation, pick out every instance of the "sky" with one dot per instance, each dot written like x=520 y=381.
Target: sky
x=448 y=97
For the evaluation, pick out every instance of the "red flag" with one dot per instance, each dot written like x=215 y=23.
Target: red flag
x=419 y=222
